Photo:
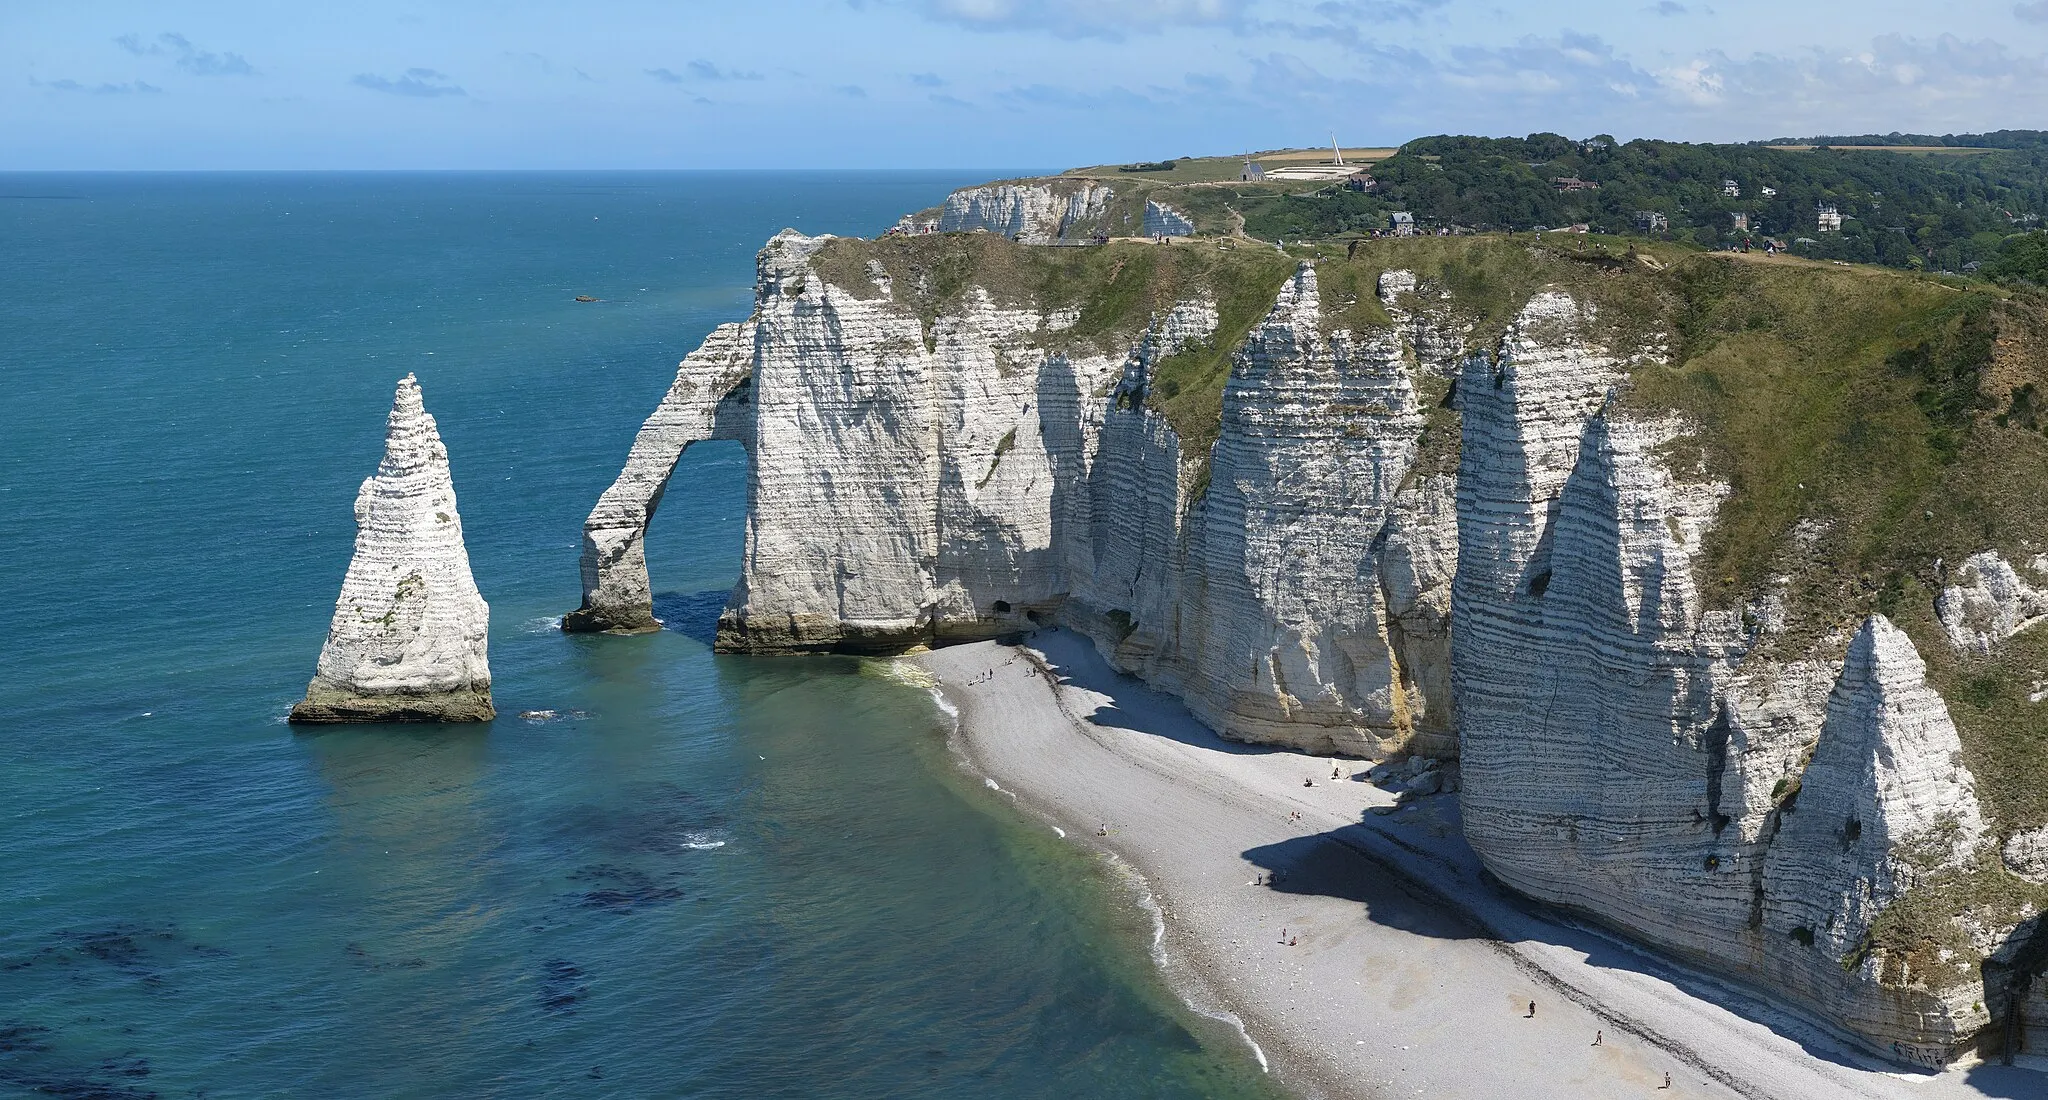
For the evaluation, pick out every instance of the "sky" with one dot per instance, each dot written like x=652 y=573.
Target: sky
x=1043 y=84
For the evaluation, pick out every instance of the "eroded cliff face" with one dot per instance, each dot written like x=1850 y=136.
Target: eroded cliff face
x=1406 y=537
x=1284 y=633
x=409 y=638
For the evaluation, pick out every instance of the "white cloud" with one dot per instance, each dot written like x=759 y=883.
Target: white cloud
x=132 y=87
x=187 y=56
x=417 y=83
x=1083 y=18
x=1581 y=84
x=1894 y=83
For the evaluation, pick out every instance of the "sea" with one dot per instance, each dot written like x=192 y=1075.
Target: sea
x=661 y=871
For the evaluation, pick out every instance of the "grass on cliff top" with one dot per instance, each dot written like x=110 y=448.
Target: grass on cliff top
x=1116 y=288
x=1874 y=428
x=1187 y=386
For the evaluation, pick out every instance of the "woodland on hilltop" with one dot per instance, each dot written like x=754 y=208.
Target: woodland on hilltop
x=1967 y=203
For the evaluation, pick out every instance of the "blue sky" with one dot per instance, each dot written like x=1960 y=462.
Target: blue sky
x=186 y=84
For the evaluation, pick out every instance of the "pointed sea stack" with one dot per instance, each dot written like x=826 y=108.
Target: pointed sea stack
x=410 y=630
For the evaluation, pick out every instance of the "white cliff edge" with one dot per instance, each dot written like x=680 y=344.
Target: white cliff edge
x=410 y=631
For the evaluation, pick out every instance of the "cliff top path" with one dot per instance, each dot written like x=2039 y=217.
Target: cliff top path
x=1410 y=974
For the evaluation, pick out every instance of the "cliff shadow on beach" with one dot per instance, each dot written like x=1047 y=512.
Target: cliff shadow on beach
x=1072 y=662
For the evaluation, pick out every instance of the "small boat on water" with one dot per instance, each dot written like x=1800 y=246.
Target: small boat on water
x=585 y=298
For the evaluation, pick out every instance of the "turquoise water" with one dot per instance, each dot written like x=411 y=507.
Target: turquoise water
x=708 y=876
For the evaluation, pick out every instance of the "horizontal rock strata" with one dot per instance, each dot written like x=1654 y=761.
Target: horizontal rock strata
x=410 y=632
x=917 y=481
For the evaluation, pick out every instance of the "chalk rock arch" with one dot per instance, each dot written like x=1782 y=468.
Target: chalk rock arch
x=711 y=398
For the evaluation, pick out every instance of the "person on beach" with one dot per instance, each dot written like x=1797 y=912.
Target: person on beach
x=1333 y=773
x=1308 y=782
x=1667 y=1079
x=1532 y=1010
x=1597 y=1036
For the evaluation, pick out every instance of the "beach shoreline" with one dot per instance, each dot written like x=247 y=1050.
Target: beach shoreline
x=1350 y=932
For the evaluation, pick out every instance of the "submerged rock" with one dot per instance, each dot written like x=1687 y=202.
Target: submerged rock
x=409 y=634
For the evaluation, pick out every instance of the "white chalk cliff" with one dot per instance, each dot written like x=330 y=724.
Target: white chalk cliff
x=410 y=631
x=1033 y=212
x=1885 y=802
x=1989 y=602
x=1319 y=579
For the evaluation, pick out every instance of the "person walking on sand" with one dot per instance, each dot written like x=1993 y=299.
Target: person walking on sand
x=1532 y=1010
x=1667 y=1079
x=1597 y=1036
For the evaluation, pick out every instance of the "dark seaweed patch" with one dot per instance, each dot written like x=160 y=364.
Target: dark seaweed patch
x=28 y=1065
x=71 y=1087
x=562 y=986
x=23 y=1038
x=367 y=961
x=622 y=889
x=657 y=818
x=127 y=1065
x=137 y=952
